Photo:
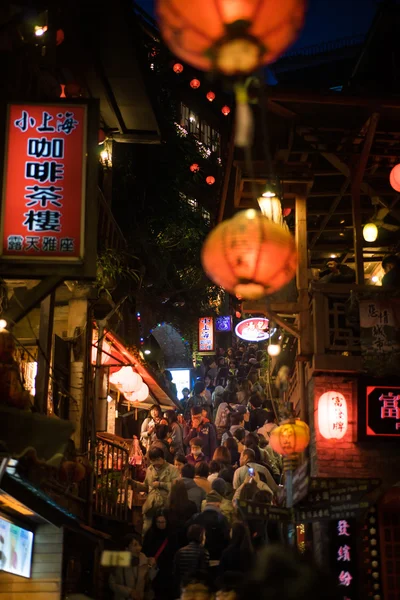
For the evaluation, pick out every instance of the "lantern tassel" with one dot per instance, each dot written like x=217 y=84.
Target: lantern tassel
x=244 y=119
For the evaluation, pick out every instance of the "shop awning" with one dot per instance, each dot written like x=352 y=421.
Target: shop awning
x=116 y=355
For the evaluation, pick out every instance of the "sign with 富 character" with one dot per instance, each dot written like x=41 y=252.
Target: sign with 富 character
x=48 y=197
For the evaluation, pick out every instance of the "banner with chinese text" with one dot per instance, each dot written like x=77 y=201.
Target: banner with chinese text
x=343 y=539
x=380 y=335
x=206 y=334
x=44 y=182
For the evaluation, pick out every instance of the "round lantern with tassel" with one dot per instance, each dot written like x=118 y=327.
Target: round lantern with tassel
x=290 y=438
x=235 y=38
x=249 y=255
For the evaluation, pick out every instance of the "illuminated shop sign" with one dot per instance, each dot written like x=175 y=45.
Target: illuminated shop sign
x=254 y=330
x=343 y=556
x=383 y=411
x=16 y=546
x=206 y=334
x=223 y=323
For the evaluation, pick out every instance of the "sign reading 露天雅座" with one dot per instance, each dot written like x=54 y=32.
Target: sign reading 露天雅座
x=206 y=334
x=44 y=178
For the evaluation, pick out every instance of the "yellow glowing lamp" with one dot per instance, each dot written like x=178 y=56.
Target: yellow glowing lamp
x=370 y=232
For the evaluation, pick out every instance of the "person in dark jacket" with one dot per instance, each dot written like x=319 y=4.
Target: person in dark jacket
x=196 y=455
x=160 y=544
x=335 y=272
x=180 y=510
x=258 y=415
x=391 y=266
x=202 y=430
x=199 y=399
x=195 y=493
x=161 y=442
x=192 y=557
x=215 y=524
x=238 y=556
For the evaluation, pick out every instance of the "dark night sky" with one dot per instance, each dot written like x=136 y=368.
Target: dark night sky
x=326 y=19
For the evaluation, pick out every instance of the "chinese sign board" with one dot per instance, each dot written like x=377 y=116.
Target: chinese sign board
x=382 y=411
x=253 y=330
x=223 y=323
x=44 y=183
x=380 y=335
x=343 y=537
x=206 y=334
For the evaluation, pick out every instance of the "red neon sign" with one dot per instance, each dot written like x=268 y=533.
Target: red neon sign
x=44 y=182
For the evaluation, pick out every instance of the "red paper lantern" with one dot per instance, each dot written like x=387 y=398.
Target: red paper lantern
x=249 y=255
x=210 y=96
x=210 y=180
x=225 y=110
x=286 y=212
x=291 y=437
x=59 y=37
x=177 y=68
x=195 y=84
x=194 y=168
x=332 y=415
x=395 y=178
x=62 y=94
x=232 y=37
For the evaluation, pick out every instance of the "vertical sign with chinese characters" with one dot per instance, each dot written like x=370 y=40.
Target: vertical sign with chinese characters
x=380 y=335
x=44 y=183
x=206 y=334
x=343 y=556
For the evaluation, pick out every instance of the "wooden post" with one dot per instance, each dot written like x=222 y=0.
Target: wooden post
x=306 y=345
x=356 y=198
x=45 y=339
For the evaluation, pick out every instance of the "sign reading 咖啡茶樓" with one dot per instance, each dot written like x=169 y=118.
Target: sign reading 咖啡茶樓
x=48 y=188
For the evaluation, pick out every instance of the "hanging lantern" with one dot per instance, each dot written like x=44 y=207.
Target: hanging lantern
x=232 y=37
x=274 y=349
x=291 y=437
x=395 y=178
x=332 y=415
x=62 y=94
x=141 y=395
x=249 y=255
x=225 y=110
x=177 y=68
x=126 y=380
x=370 y=232
x=195 y=84
x=59 y=37
x=271 y=208
x=210 y=96
x=286 y=212
x=210 y=180
x=194 y=168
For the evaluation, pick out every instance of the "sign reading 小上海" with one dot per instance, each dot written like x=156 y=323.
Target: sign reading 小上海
x=343 y=556
x=44 y=181
x=255 y=329
x=206 y=334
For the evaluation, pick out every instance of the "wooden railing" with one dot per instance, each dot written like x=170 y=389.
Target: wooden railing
x=109 y=234
x=112 y=489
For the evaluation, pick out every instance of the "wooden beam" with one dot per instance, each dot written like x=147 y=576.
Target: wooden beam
x=356 y=204
x=44 y=355
x=21 y=306
x=273 y=316
x=306 y=342
x=332 y=209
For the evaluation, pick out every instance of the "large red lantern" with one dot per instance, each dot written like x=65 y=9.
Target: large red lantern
x=195 y=84
x=332 y=415
x=395 y=178
x=234 y=37
x=291 y=437
x=249 y=255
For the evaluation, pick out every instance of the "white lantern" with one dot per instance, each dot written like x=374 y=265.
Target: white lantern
x=126 y=380
x=332 y=415
x=142 y=394
x=370 y=232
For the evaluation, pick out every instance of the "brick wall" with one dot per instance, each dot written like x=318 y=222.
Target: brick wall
x=347 y=457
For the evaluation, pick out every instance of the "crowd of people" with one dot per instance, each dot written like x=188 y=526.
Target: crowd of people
x=202 y=461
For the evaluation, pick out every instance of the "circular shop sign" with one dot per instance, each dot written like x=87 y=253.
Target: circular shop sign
x=253 y=330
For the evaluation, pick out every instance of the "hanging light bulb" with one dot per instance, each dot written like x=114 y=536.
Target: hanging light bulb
x=370 y=232
x=274 y=349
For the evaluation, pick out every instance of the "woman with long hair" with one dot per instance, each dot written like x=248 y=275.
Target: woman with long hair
x=147 y=433
x=238 y=556
x=232 y=445
x=180 y=510
x=160 y=544
x=244 y=392
x=222 y=456
x=175 y=433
